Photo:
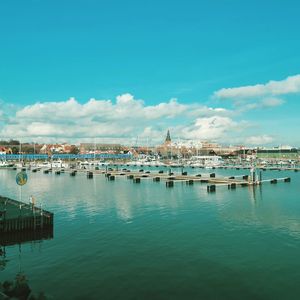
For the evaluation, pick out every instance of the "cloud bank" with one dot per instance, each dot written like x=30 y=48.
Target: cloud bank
x=289 y=85
x=127 y=119
x=121 y=120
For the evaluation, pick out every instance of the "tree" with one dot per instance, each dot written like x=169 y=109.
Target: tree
x=74 y=150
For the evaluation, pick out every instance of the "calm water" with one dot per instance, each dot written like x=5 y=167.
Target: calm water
x=119 y=240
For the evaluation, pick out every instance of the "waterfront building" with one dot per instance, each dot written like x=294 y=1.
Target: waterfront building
x=56 y=148
x=100 y=148
x=165 y=150
x=5 y=150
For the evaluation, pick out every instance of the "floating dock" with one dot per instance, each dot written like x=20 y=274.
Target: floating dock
x=16 y=216
x=211 y=179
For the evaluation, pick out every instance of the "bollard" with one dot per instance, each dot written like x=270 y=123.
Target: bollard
x=211 y=188
x=89 y=175
x=156 y=179
x=137 y=180
x=169 y=184
x=212 y=175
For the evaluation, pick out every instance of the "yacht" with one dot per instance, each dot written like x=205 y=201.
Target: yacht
x=207 y=161
x=5 y=164
x=44 y=165
x=58 y=164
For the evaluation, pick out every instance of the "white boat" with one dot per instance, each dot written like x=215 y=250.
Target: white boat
x=207 y=161
x=5 y=164
x=58 y=164
x=44 y=165
x=87 y=164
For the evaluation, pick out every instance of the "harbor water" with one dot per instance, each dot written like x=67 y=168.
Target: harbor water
x=120 y=240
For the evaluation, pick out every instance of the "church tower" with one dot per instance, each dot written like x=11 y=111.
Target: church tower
x=168 y=138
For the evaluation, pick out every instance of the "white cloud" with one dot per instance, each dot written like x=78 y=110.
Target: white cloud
x=273 y=88
x=214 y=127
x=126 y=120
x=120 y=120
x=259 y=140
x=272 y=102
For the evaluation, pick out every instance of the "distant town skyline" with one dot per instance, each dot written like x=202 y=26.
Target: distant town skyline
x=118 y=71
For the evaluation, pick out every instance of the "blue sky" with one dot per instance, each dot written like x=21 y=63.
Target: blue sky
x=157 y=51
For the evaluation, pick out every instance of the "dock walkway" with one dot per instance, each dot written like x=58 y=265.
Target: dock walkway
x=18 y=216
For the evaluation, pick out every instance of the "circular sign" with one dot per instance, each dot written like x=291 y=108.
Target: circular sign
x=21 y=178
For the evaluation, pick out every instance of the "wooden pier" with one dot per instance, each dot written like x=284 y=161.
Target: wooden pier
x=16 y=216
x=211 y=179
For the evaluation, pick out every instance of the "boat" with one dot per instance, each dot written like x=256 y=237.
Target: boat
x=5 y=164
x=58 y=164
x=207 y=161
x=44 y=165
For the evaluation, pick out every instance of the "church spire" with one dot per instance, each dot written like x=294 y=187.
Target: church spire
x=168 y=137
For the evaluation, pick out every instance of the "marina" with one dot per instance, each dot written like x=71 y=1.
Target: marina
x=254 y=177
x=115 y=207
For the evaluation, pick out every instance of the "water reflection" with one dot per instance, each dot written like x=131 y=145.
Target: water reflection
x=18 y=238
x=19 y=287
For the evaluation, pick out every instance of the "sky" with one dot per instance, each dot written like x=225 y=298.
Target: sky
x=127 y=70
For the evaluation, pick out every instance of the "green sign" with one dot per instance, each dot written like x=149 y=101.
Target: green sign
x=21 y=178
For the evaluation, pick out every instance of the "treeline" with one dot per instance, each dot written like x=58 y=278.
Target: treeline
x=17 y=148
x=29 y=148
x=9 y=143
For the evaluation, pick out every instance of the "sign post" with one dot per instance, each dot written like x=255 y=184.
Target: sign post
x=21 y=179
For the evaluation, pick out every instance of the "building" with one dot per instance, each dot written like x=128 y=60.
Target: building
x=100 y=148
x=5 y=150
x=55 y=148
x=165 y=150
